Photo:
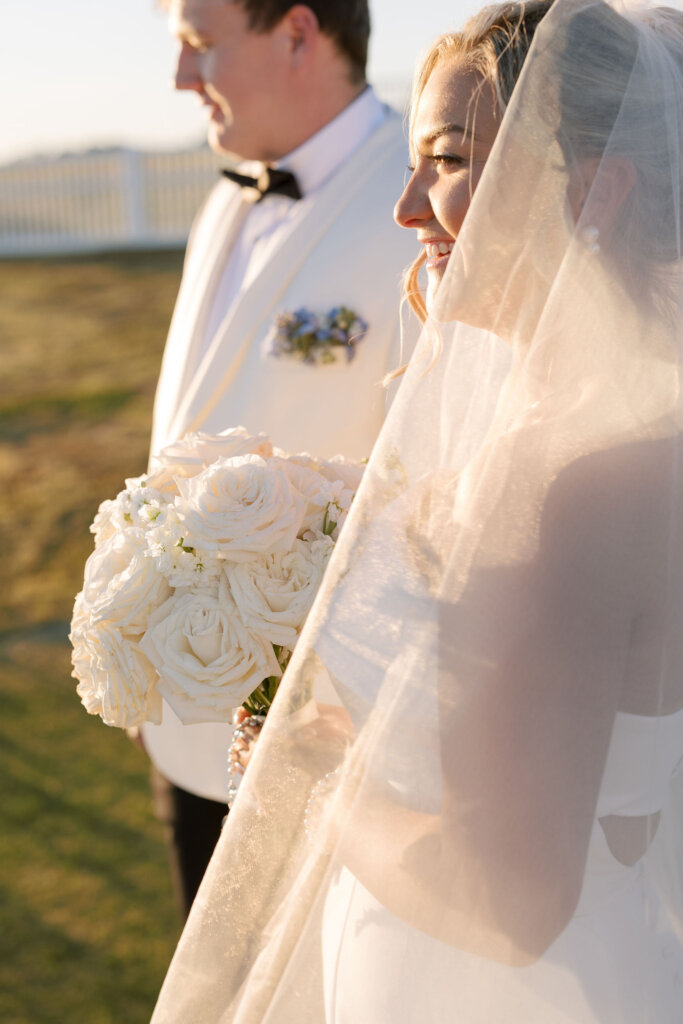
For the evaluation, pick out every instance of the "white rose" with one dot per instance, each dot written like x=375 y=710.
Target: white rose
x=274 y=593
x=314 y=488
x=192 y=454
x=330 y=497
x=115 y=679
x=240 y=508
x=121 y=583
x=105 y=523
x=348 y=472
x=207 y=659
x=300 y=459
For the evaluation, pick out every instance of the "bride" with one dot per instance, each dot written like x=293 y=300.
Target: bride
x=464 y=805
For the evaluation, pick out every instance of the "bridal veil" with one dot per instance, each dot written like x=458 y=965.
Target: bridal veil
x=466 y=804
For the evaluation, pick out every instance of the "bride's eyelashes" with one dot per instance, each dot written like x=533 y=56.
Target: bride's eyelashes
x=448 y=159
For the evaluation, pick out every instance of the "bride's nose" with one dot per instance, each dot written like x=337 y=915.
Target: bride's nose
x=414 y=207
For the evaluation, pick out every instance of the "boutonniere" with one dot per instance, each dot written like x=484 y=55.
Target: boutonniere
x=314 y=338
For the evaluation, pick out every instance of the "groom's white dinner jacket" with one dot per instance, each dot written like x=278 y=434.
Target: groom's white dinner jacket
x=337 y=246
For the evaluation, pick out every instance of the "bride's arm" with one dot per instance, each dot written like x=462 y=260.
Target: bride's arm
x=532 y=664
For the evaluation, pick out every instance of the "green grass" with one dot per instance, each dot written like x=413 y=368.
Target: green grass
x=88 y=920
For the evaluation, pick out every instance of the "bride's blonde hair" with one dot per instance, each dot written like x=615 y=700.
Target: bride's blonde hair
x=494 y=43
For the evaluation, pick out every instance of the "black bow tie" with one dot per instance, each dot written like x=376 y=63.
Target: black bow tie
x=271 y=181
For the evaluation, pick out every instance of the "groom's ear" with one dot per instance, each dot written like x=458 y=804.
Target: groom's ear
x=302 y=29
x=598 y=188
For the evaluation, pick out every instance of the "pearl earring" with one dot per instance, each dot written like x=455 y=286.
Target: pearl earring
x=589 y=237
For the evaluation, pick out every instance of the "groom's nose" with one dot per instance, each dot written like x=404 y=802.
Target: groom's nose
x=187 y=72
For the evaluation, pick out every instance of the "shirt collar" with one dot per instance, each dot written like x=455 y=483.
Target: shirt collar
x=318 y=158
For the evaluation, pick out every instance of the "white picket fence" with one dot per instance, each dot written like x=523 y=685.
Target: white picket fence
x=102 y=200
x=111 y=199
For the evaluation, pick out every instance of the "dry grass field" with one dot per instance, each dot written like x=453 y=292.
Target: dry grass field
x=88 y=922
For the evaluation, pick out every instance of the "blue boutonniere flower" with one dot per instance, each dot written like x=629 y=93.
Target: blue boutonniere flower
x=315 y=338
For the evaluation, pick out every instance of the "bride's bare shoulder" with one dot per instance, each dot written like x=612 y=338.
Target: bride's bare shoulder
x=624 y=487
x=611 y=527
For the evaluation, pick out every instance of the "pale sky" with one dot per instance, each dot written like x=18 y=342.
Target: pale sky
x=81 y=73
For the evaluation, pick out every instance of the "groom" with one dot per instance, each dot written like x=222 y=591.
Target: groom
x=306 y=223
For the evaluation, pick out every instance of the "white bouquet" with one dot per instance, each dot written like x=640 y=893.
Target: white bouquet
x=202 y=576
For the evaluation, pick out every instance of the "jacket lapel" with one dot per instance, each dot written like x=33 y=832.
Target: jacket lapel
x=208 y=249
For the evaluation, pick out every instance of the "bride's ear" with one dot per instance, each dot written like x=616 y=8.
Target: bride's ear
x=598 y=188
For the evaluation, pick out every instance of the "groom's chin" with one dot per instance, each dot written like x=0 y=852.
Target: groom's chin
x=222 y=138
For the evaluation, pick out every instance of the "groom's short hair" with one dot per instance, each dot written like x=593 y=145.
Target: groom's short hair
x=346 y=22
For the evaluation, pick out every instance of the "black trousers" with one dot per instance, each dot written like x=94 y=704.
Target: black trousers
x=192 y=826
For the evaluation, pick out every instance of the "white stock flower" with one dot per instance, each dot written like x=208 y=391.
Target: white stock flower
x=337 y=510
x=345 y=478
x=175 y=557
x=121 y=583
x=240 y=507
x=115 y=679
x=133 y=508
x=207 y=659
x=274 y=593
x=196 y=451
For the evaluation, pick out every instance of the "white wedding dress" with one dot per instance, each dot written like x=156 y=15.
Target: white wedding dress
x=379 y=970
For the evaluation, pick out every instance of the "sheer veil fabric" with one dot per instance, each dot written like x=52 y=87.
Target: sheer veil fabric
x=493 y=672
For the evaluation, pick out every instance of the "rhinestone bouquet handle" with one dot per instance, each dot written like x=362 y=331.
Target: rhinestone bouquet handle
x=245 y=734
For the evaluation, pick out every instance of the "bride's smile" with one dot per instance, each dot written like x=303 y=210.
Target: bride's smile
x=437 y=251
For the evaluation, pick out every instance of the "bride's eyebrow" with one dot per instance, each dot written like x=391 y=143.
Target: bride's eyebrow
x=446 y=129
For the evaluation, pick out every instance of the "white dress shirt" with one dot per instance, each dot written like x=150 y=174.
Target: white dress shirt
x=267 y=221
